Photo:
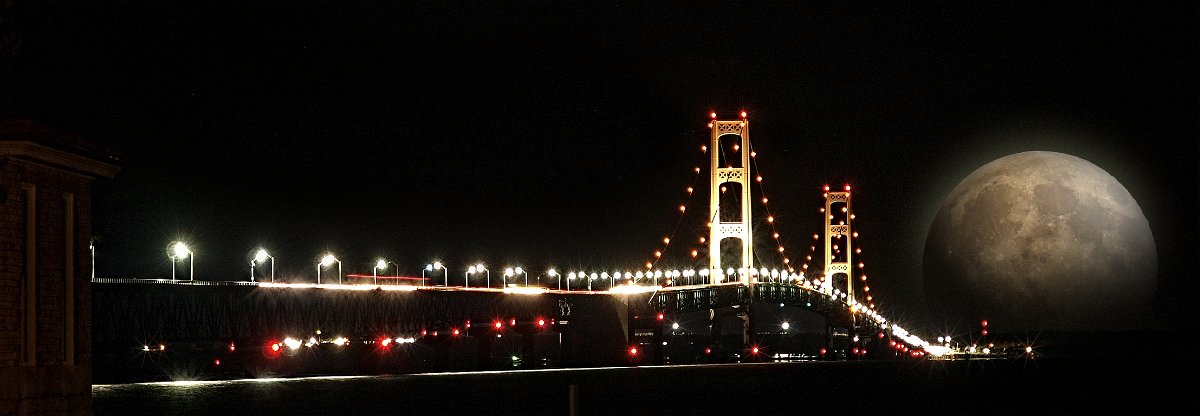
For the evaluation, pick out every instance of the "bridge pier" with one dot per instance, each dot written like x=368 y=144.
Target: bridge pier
x=748 y=341
x=714 y=333
x=441 y=349
x=483 y=359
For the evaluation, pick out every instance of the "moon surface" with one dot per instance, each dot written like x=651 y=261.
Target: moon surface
x=1041 y=241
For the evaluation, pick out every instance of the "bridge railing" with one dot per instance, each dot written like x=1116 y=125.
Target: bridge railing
x=698 y=298
x=126 y=280
x=718 y=296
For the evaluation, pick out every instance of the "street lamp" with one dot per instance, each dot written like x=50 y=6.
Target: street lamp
x=478 y=268
x=92 y=248
x=260 y=257
x=437 y=265
x=180 y=251
x=379 y=265
x=504 y=280
x=510 y=272
x=327 y=261
x=554 y=273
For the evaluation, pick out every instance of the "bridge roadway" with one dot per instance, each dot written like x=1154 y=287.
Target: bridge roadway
x=592 y=323
x=640 y=300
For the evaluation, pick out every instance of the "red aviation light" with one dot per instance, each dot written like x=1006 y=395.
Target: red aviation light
x=499 y=325
x=541 y=322
x=753 y=350
x=633 y=350
x=275 y=347
x=424 y=332
x=661 y=316
x=512 y=322
x=847 y=188
x=743 y=113
x=455 y=331
x=713 y=115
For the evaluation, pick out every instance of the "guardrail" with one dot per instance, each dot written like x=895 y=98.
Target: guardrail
x=127 y=280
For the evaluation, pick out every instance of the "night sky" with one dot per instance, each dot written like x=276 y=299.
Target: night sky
x=544 y=134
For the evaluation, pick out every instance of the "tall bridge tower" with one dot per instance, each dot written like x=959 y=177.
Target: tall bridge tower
x=839 y=254
x=739 y=173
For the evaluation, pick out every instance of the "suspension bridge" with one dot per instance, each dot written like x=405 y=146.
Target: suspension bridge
x=271 y=321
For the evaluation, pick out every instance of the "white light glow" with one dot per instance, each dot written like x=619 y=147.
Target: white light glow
x=181 y=250
x=526 y=290
x=328 y=260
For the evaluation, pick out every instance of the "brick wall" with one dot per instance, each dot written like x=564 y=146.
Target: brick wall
x=45 y=362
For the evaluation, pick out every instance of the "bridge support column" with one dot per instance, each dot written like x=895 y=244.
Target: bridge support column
x=659 y=348
x=714 y=332
x=483 y=360
x=528 y=348
x=441 y=350
x=748 y=341
x=827 y=342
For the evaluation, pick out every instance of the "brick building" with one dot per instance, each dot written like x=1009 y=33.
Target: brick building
x=45 y=268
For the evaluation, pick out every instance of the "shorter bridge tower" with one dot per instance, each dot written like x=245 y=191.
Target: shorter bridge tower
x=839 y=250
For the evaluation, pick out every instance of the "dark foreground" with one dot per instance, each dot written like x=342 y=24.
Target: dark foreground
x=1021 y=386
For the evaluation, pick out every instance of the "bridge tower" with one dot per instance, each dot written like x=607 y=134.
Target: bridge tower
x=839 y=253
x=740 y=174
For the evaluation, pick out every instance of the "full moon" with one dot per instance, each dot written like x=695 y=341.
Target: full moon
x=1041 y=241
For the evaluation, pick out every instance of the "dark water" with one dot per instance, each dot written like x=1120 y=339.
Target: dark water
x=1020 y=386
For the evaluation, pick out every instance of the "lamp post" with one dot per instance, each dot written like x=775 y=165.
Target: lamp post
x=327 y=261
x=180 y=251
x=478 y=268
x=510 y=272
x=379 y=265
x=396 y=267
x=554 y=273
x=259 y=258
x=92 y=248
x=437 y=265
